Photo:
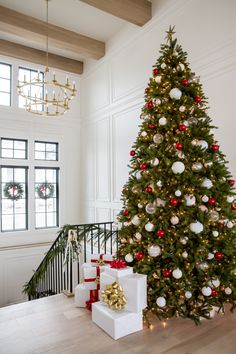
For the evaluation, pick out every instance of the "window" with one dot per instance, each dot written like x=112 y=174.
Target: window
x=5 y=84
x=13 y=148
x=46 y=197
x=32 y=90
x=46 y=151
x=14 y=198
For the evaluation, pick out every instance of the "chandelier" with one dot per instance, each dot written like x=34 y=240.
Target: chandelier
x=44 y=95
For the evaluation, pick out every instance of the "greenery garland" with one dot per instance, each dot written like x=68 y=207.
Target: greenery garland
x=45 y=190
x=13 y=190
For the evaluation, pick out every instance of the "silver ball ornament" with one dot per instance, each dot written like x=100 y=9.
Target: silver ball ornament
x=158 y=138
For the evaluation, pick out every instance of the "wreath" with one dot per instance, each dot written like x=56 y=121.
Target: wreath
x=13 y=190
x=45 y=190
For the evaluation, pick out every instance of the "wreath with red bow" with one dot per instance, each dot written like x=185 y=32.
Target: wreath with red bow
x=13 y=190
x=45 y=190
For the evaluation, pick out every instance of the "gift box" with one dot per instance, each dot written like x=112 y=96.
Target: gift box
x=89 y=265
x=110 y=275
x=82 y=294
x=101 y=259
x=116 y=323
x=135 y=289
x=92 y=278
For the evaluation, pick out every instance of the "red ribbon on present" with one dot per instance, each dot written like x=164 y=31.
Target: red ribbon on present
x=100 y=261
x=118 y=264
x=93 y=298
x=97 y=279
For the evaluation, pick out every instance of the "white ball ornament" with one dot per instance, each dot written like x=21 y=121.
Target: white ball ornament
x=155 y=162
x=158 y=79
x=161 y=301
x=214 y=283
x=163 y=65
x=160 y=202
x=182 y=108
x=205 y=198
x=206 y=291
x=229 y=224
x=177 y=273
x=194 y=142
x=228 y=291
x=188 y=294
x=129 y=258
x=157 y=101
x=158 y=138
x=210 y=256
x=190 y=200
x=150 y=208
x=185 y=254
x=203 y=266
x=196 y=227
x=203 y=144
x=138 y=236
x=175 y=94
x=135 y=220
x=178 y=193
x=140 y=206
x=162 y=121
x=178 y=167
x=203 y=208
x=159 y=183
x=154 y=251
x=144 y=134
x=215 y=233
x=181 y=67
x=149 y=227
x=174 y=220
x=184 y=240
x=230 y=199
x=207 y=183
x=138 y=175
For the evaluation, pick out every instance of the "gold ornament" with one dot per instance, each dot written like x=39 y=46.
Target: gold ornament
x=114 y=297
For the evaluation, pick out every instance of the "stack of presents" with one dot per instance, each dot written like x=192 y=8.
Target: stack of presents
x=115 y=295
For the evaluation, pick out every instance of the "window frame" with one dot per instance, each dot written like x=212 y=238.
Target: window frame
x=45 y=151
x=14 y=158
x=10 y=93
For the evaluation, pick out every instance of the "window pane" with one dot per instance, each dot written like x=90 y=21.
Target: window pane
x=51 y=147
x=20 y=145
x=46 y=151
x=19 y=154
x=40 y=175
x=13 y=148
x=19 y=175
x=5 y=71
x=51 y=220
x=7 y=143
x=40 y=206
x=5 y=99
x=51 y=205
x=20 y=206
x=7 y=223
x=5 y=85
x=20 y=222
x=7 y=174
x=51 y=175
x=51 y=156
x=8 y=154
x=7 y=206
x=40 y=146
x=39 y=155
x=40 y=220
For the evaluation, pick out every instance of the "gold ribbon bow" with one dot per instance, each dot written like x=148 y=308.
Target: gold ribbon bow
x=114 y=297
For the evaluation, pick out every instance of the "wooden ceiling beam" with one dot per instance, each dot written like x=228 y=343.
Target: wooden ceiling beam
x=36 y=56
x=31 y=28
x=135 y=11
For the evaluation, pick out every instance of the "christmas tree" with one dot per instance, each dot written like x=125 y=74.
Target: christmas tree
x=179 y=214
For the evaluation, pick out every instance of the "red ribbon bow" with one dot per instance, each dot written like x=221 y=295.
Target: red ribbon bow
x=118 y=264
x=93 y=298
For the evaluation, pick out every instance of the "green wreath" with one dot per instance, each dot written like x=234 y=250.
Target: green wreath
x=13 y=190
x=45 y=190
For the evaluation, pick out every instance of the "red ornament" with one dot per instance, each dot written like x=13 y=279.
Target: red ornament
x=231 y=182
x=182 y=127
x=143 y=166
x=215 y=147
x=148 y=189
x=139 y=256
x=213 y=292
x=149 y=104
x=211 y=201
x=178 y=146
x=132 y=153
x=167 y=273
x=218 y=255
x=173 y=202
x=197 y=99
x=151 y=126
x=185 y=82
x=160 y=233
x=233 y=206
x=155 y=72
x=126 y=212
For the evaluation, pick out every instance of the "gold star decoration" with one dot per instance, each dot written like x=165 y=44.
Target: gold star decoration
x=170 y=33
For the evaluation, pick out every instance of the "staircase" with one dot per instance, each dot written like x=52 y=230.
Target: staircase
x=59 y=272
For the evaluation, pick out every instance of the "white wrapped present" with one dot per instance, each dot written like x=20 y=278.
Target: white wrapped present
x=81 y=295
x=116 y=323
x=92 y=278
x=135 y=290
x=110 y=275
x=101 y=259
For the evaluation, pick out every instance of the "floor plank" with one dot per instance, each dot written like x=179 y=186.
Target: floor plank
x=55 y=326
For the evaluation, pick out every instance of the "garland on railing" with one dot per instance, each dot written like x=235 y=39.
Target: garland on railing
x=30 y=288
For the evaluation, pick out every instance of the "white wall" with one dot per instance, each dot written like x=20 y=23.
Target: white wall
x=112 y=92
x=21 y=252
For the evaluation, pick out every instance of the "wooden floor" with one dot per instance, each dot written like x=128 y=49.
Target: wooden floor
x=54 y=326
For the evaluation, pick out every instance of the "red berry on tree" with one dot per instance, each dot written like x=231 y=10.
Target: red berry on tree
x=215 y=147
x=218 y=255
x=173 y=202
x=213 y=292
x=197 y=99
x=155 y=72
x=149 y=104
x=143 y=166
x=167 y=273
x=178 y=146
x=160 y=233
x=185 y=82
x=233 y=206
x=148 y=189
x=182 y=127
x=126 y=212
x=231 y=182
x=139 y=256
x=151 y=126
x=211 y=201
x=132 y=153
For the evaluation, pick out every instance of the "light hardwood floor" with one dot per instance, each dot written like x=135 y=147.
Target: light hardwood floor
x=54 y=326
